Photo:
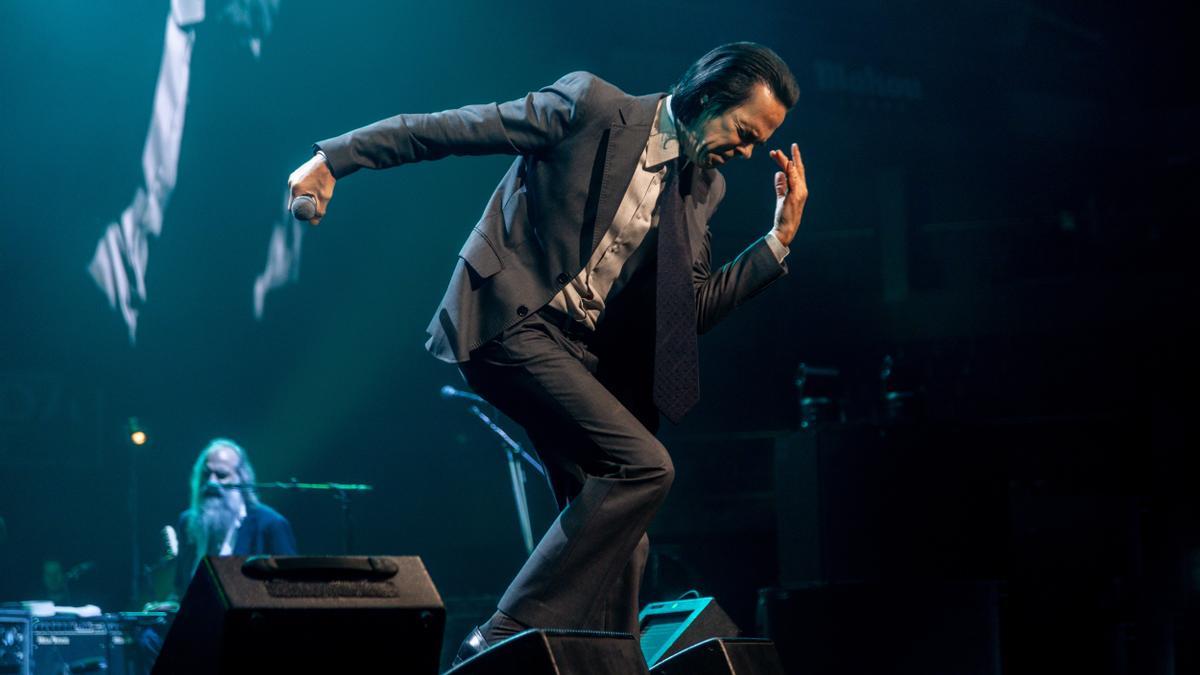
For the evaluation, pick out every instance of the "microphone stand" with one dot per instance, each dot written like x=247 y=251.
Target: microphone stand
x=513 y=453
x=341 y=494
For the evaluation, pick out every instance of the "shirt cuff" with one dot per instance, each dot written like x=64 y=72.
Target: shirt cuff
x=319 y=151
x=777 y=247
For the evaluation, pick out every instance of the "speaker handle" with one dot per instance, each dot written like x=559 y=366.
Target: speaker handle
x=266 y=567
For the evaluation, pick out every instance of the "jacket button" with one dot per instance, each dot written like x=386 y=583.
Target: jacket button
x=563 y=279
x=522 y=310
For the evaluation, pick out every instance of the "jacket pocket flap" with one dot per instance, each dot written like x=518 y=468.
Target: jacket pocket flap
x=480 y=255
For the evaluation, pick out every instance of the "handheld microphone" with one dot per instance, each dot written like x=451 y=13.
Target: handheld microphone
x=451 y=392
x=170 y=551
x=170 y=542
x=304 y=207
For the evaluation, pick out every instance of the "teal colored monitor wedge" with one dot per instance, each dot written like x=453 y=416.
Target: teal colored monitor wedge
x=672 y=626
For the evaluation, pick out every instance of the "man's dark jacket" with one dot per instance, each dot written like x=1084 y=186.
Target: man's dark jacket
x=263 y=531
x=579 y=142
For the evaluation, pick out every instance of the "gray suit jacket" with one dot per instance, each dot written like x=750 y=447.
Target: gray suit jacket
x=578 y=142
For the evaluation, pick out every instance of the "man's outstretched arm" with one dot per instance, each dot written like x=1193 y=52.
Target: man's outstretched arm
x=523 y=126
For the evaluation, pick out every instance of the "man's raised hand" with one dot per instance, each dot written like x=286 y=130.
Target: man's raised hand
x=313 y=180
x=791 y=191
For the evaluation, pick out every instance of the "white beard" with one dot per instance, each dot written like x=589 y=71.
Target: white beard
x=212 y=524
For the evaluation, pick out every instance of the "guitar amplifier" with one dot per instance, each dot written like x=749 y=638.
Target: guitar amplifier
x=71 y=644
x=15 y=641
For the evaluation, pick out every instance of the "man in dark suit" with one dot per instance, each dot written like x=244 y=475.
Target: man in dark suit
x=577 y=298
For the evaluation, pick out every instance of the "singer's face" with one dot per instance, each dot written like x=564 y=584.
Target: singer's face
x=714 y=139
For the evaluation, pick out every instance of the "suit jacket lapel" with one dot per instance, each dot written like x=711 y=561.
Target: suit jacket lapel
x=626 y=140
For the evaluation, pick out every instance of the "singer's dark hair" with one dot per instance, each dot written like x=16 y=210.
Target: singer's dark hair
x=726 y=76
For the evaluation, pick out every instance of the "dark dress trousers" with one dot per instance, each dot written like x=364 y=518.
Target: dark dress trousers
x=584 y=398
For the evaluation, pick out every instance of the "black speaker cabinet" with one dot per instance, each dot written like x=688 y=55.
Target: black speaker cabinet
x=724 y=656
x=883 y=629
x=670 y=627
x=558 y=652
x=294 y=614
x=867 y=503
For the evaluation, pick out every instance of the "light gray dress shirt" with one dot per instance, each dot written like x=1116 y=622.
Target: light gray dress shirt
x=626 y=243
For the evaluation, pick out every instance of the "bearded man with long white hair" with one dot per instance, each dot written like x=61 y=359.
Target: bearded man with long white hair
x=225 y=516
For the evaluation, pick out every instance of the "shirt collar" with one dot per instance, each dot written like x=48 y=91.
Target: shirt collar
x=663 y=145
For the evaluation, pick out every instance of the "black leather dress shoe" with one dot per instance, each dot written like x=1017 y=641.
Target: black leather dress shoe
x=473 y=644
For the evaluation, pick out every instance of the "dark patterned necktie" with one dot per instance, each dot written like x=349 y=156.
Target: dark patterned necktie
x=676 y=355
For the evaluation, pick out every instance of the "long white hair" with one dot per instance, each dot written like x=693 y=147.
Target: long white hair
x=245 y=472
x=206 y=525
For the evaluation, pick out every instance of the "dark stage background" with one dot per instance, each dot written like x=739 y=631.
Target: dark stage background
x=1001 y=202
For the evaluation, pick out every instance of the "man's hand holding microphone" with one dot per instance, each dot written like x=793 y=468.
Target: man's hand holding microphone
x=311 y=187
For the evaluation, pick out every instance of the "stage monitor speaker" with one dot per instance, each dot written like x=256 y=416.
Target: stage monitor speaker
x=670 y=627
x=300 y=614
x=724 y=656
x=558 y=652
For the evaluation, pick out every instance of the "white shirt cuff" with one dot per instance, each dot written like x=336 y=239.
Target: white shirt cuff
x=777 y=247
